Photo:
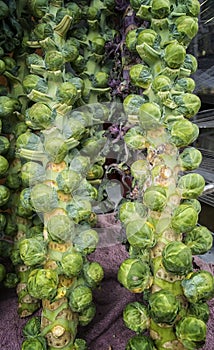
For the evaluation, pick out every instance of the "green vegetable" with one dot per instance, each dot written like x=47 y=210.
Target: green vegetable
x=140 y=76
x=149 y=115
x=4 y=165
x=184 y=218
x=132 y=103
x=32 y=344
x=164 y=306
x=199 y=240
x=177 y=258
x=33 y=251
x=136 y=317
x=68 y=180
x=174 y=55
x=4 y=195
x=140 y=342
x=155 y=198
x=42 y=283
x=87 y=315
x=199 y=310
x=198 y=286
x=141 y=233
x=191 y=332
x=32 y=173
x=191 y=185
x=93 y=273
x=43 y=198
x=60 y=228
x=80 y=298
x=190 y=158
x=72 y=263
x=40 y=116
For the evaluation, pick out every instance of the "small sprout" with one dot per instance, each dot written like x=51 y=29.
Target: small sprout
x=80 y=298
x=42 y=283
x=199 y=240
x=141 y=234
x=191 y=185
x=198 y=286
x=136 y=317
x=174 y=55
x=33 y=251
x=155 y=198
x=177 y=258
x=191 y=332
x=140 y=75
x=60 y=228
x=164 y=306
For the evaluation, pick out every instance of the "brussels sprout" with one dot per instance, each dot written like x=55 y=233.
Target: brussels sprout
x=4 y=144
x=131 y=39
x=60 y=228
x=140 y=171
x=190 y=63
x=70 y=52
x=140 y=75
x=11 y=280
x=147 y=36
x=35 y=59
x=33 y=251
x=68 y=180
x=8 y=105
x=140 y=342
x=72 y=263
x=100 y=79
x=132 y=103
x=164 y=306
x=31 y=173
x=80 y=164
x=134 y=275
x=185 y=84
x=95 y=172
x=13 y=181
x=130 y=211
x=43 y=198
x=149 y=115
x=191 y=332
x=38 y=8
x=186 y=28
x=29 y=141
x=155 y=198
x=141 y=234
x=2 y=272
x=183 y=132
x=74 y=128
x=4 y=165
x=40 y=116
x=134 y=138
x=4 y=195
x=34 y=82
x=86 y=316
x=32 y=344
x=79 y=344
x=93 y=273
x=191 y=185
x=174 y=55
x=160 y=8
x=80 y=297
x=32 y=327
x=86 y=241
x=4 y=12
x=190 y=158
x=98 y=45
x=56 y=149
x=136 y=317
x=177 y=258
x=161 y=83
x=199 y=310
x=194 y=203
x=42 y=283
x=67 y=93
x=199 y=240
x=198 y=286
x=24 y=198
x=188 y=104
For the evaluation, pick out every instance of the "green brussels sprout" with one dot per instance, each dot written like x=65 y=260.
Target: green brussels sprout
x=29 y=141
x=86 y=241
x=95 y=172
x=60 y=228
x=98 y=45
x=140 y=342
x=4 y=195
x=34 y=82
x=32 y=327
x=93 y=273
x=4 y=144
x=40 y=116
x=72 y=263
x=86 y=316
x=164 y=307
x=68 y=180
x=161 y=83
x=100 y=80
x=199 y=310
x=2 y=272
x=56 y=149
x=135 y=139
x=199 y=240
x=191 y=332
x=149 y=115
x=43 y=198
x=141 y=234
x=155 y=198
x=190 y=63
x=140 y=171
x=86 y=191
x=185 y=84
x=174 y=55
x=8 y=105
x=186 y=28
x=54 y=60
x=25 y=199
x=4 y=165
x=130 y=211
x=70 y=51
x=140 y=75
x=147 y=36
x=188 y=104
x=79 y=209
x=80 y=64
x=79 y=344
x=42 y=31
x=11 y=280
x=42 y=283
x=131 y=39
x=74 y=128
x=35 y=59
x=198 y=286
x=183 y=132
x=38 y=8
x=67 y=93
x=177 y=258
x=33 y=251
x=136 y=317
x=160 y=8
x=191 y=185
x=80 y=297
x=134 y=275
x=190 y=7
x=190 y=158
x=31 y=173
x=33 y=344
x=132 y=103
x=194 y=202
x=13 y=181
